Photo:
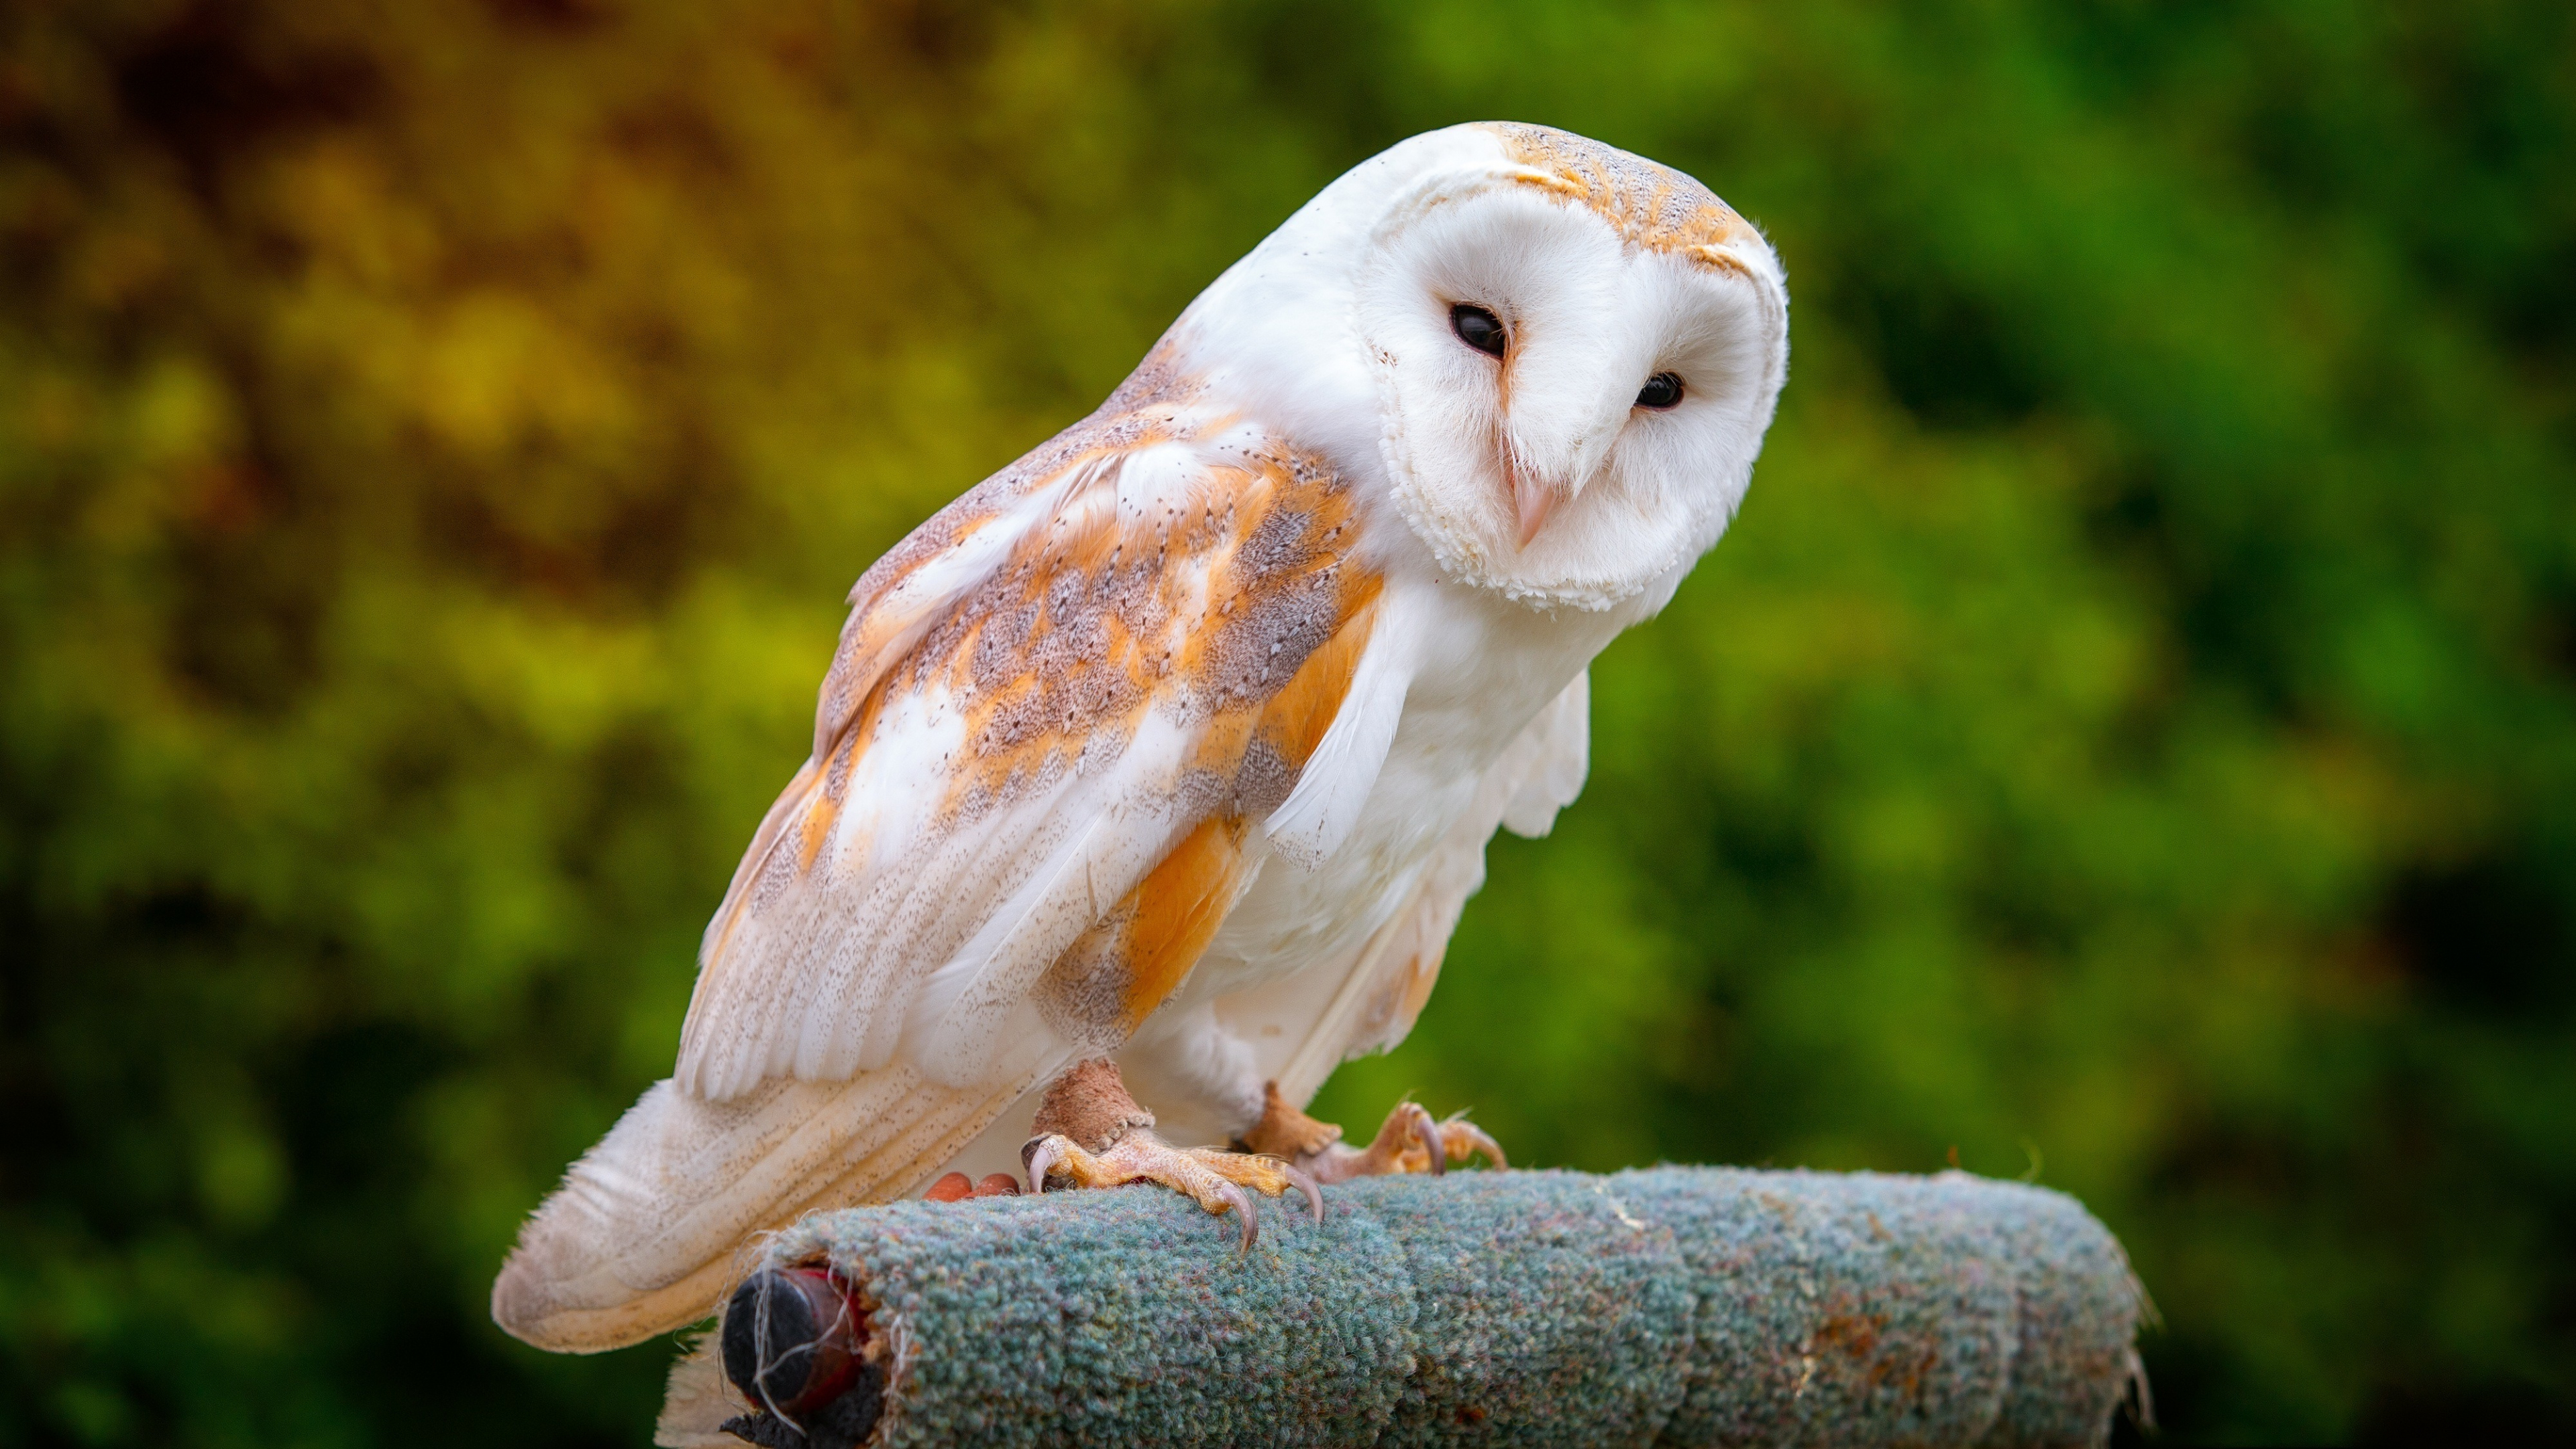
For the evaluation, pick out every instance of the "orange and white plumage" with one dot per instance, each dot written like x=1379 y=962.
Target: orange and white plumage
x=1179 y=740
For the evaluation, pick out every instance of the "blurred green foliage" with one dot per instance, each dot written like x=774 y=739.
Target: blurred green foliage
x=2129 y=737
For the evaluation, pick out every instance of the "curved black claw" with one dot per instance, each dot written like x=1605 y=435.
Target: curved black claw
x=1243 y=1209
x=1427 y=1132
x=1306 y=1184
x=1040 y=1156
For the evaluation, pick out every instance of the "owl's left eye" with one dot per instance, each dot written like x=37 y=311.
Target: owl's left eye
x=1661 y=391
x=1479 y=328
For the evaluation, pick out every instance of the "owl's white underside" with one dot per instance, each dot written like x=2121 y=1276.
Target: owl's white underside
x=1253 y=1010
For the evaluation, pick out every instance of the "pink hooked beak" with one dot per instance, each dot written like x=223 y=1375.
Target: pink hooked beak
x=1538 y=492
x=1533 y=500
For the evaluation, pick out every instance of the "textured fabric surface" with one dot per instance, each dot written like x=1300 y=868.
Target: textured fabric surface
x=1666 y=1306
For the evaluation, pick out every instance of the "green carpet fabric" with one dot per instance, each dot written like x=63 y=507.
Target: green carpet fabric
x=1666 y=1306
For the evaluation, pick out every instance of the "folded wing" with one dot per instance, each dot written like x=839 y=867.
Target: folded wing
x=1055 y=729
x=1058 y=717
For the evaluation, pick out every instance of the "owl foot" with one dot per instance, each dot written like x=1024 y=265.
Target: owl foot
x=1090 y=1133
x=1410 y=1140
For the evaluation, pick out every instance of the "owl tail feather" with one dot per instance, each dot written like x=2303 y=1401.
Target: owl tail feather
x=644 y=1235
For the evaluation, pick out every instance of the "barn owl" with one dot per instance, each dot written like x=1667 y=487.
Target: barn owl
x=1177 y=742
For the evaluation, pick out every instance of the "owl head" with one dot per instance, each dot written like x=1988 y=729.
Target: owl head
x=1561 y=356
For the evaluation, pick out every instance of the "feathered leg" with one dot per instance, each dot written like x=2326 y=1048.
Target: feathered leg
x=1090 y=1133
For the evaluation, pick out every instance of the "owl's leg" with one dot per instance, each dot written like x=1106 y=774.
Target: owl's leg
x=1410 y=1140
x=1092 y=1134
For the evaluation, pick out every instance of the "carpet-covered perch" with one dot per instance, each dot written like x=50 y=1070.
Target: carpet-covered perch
x=1669 y=1306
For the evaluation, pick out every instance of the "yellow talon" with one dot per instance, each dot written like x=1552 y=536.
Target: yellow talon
x=1409 y=1141
x=1090 y=1101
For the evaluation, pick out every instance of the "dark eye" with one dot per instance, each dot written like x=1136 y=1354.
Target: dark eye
x=1478 y=328
x=1661 y=391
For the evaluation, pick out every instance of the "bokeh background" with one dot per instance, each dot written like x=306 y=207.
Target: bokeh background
x=2128 y=740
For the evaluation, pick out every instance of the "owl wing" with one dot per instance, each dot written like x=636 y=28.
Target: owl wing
x=1305 y=1026
x=1059 y=714
x=1056 y=716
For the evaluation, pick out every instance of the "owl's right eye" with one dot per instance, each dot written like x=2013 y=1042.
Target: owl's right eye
x=1478 y=328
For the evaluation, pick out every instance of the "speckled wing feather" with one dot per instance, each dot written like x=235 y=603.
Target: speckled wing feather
x=1056 y=715
x=1060 y=713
